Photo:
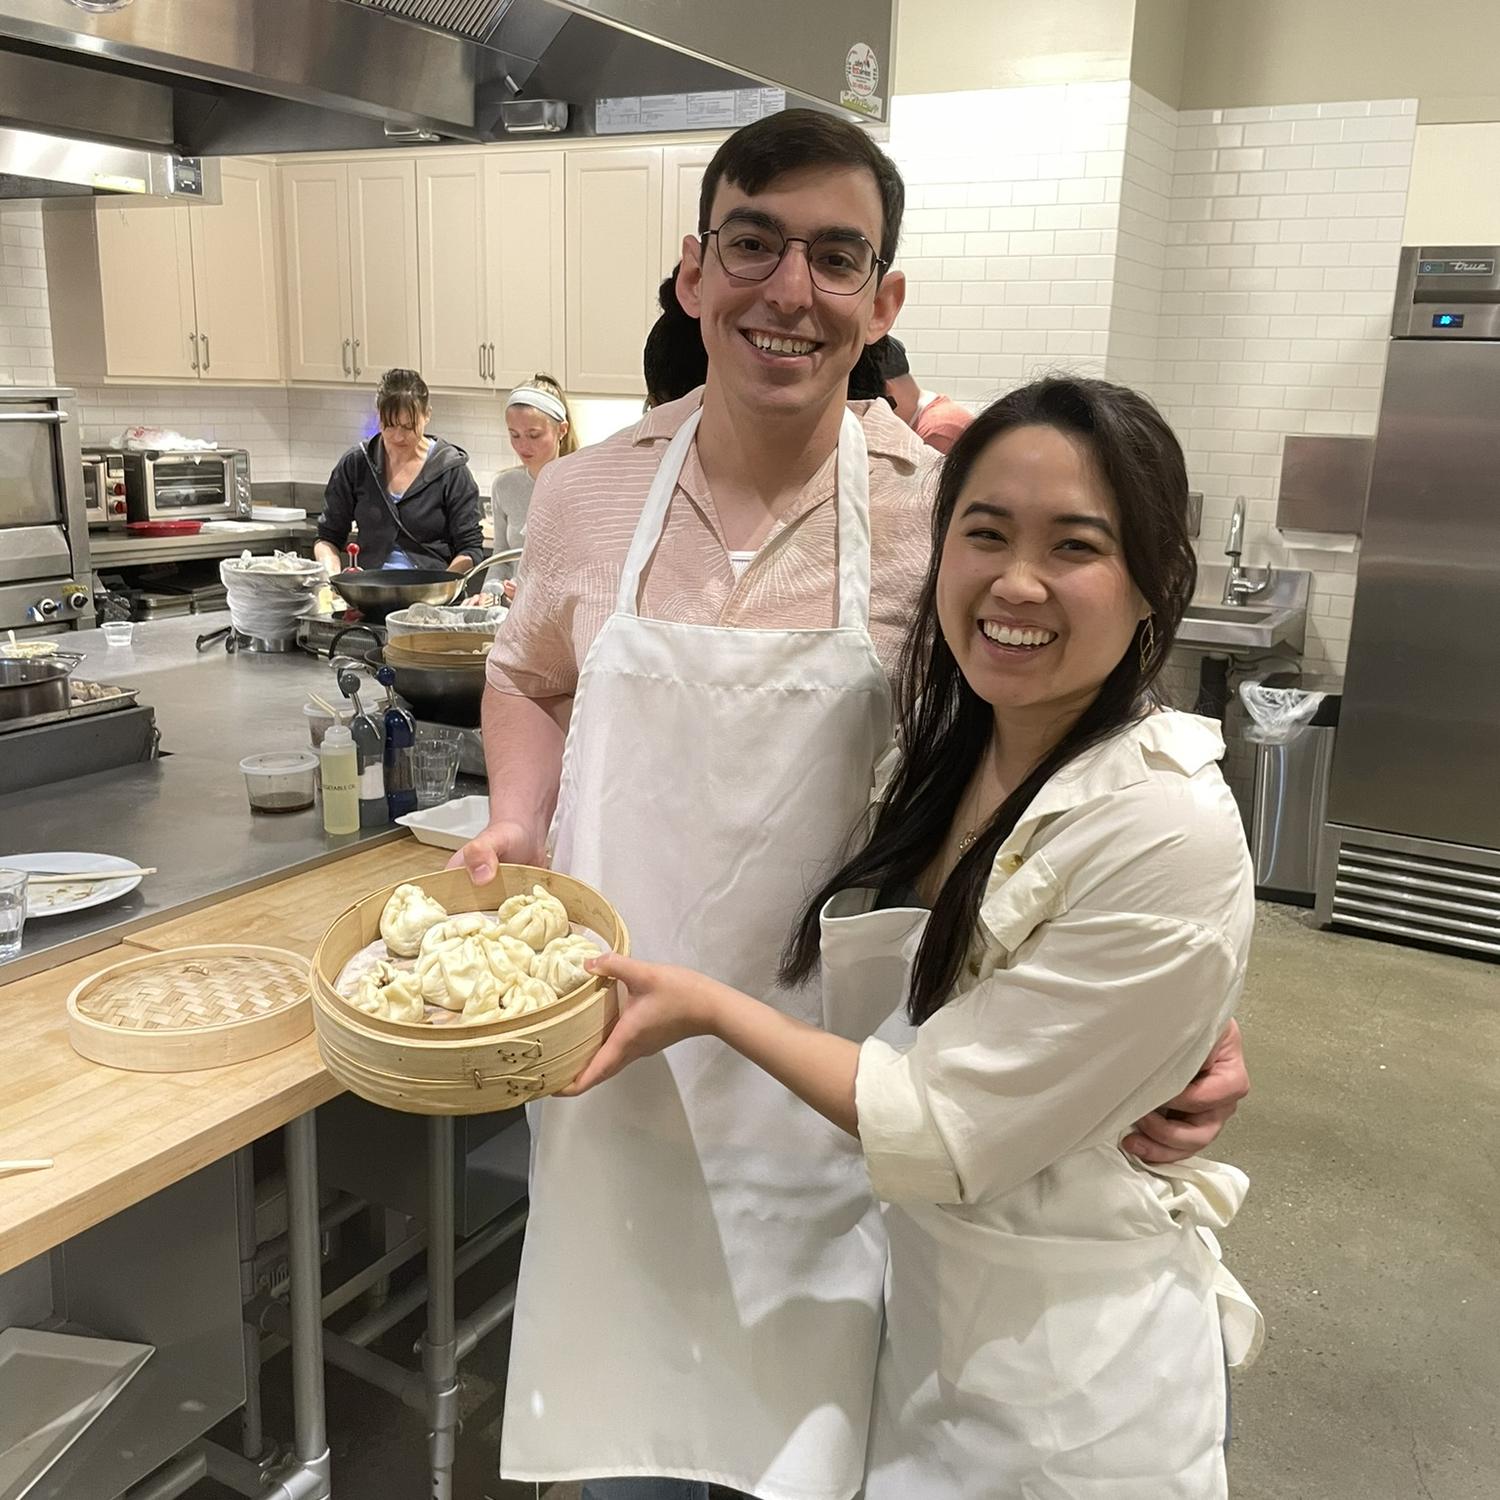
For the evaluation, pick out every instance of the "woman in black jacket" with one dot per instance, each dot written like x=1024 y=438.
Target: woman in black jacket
x=411 y=497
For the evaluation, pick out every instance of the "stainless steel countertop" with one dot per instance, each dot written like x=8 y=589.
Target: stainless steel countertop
x=187 y=813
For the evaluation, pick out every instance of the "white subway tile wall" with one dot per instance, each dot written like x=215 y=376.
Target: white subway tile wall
x=233 y=417
x=25 y=328
x=1284 y=230
x=1009 y=246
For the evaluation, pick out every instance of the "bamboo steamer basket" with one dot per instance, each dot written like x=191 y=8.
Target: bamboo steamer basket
x=473 y=1069
x=450 y=645
x=188 y=1008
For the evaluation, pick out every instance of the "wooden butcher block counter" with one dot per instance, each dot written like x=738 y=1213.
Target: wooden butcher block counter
x=116 y=1137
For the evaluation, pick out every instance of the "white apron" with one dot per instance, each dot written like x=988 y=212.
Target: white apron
x=701 y=1278
x=1029 y=1368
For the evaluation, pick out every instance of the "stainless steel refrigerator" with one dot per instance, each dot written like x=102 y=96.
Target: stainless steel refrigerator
x=1411 y=848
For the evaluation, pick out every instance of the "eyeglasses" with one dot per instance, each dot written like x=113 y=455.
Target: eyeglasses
x=839 y=262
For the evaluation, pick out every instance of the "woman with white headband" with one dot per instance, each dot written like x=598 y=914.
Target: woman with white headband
x=541 y=429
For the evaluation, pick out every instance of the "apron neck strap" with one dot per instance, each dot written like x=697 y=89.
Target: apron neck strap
x=852 y=502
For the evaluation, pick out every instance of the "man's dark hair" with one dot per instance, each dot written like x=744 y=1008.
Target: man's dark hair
x=756 y=155
x=889 y=355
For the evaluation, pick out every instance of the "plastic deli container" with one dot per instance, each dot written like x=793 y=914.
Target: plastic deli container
x=319 y=720
x=280 y=781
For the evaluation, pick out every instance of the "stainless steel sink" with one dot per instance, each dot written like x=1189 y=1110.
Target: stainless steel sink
x=1276 y=620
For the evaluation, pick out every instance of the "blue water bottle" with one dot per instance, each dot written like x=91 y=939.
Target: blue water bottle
x=400 y=743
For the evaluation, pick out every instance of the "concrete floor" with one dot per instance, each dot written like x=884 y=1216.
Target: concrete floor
x=1369 y=1240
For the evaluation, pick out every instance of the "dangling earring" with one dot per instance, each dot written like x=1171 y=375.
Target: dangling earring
x=1148 y=642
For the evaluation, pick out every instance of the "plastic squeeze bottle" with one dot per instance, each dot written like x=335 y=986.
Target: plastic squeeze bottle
x=340 y=767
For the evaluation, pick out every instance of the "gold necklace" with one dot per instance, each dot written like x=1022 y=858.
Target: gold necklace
x=966 y=842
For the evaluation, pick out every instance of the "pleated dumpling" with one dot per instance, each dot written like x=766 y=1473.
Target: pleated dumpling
x=455 y=974
x=407 y=916
x=401 y=999
x=465 y=924
x=366 y=996
x=389 y=993
x=561 y=962
x=510 y=960
x=535 y=919
x=529 y=994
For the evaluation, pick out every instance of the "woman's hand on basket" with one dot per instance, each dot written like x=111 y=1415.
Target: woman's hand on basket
x=659 y=1004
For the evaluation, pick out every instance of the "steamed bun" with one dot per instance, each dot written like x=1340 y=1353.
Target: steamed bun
x=385 y=991
x=510 y=960
x=529 y=994
x=561 y=962
x=455 y=974
x=535 y=919
x=466 y=924
x=407 y=916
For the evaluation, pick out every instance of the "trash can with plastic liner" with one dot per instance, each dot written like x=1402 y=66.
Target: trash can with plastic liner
x=1293 y=723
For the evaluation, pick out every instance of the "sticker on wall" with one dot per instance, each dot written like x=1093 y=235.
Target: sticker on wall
x=861 y=79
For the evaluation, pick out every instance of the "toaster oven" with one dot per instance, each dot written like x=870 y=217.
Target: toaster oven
x=197 y=484
x=104 y=488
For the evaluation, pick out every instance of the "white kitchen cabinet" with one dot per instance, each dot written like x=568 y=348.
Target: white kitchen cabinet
x=148 y=292
x=682 y=174
x=614 y=265
x=319 y=323
x=383 y=263
x=351 y=266
x=144 y=269
x=237 y=277
x=524 y=239
x=452 y=277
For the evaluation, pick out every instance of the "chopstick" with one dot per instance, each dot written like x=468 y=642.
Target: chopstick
x=325 y=705
x=82 y=877
x=40 y=1164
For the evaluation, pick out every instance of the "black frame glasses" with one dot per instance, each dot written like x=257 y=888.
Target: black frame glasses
x=839 y=238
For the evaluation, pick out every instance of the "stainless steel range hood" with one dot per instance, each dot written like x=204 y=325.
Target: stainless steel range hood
x=225 y=77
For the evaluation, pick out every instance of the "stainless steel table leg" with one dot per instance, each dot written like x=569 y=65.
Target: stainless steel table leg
x=252 y=1434
x=306 y=1303
x=440 y=1343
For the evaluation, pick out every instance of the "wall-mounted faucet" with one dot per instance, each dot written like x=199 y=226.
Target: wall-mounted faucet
x=1239 y=585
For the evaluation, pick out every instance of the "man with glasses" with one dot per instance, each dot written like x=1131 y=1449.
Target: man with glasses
x=696 y=674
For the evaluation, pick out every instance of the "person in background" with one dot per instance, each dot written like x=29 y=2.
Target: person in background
x=411 y=497
x=937 y=420
x=541 y=428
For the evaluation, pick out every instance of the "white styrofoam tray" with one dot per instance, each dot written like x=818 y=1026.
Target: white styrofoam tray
x=450 y=825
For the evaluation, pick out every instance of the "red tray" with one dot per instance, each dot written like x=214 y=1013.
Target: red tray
x=164 y=528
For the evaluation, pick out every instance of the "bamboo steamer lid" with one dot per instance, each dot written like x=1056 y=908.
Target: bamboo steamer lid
x=188 y=1008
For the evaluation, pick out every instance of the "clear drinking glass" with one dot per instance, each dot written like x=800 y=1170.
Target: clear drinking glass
x=12 y=912
x=434 y=768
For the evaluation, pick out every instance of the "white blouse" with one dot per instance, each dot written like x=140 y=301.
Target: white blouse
x=1112 y=945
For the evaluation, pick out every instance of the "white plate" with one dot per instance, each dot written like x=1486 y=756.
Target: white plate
x=53 y=899
x=52 y=1385
x=450 y=825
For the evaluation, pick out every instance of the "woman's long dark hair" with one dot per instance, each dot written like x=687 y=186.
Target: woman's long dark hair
x=945 y=726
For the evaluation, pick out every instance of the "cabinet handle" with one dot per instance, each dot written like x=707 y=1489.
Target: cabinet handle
x=204 y=337
x=346 y=356
x=193 y=345
x=356 y=359
x=492 y=361
x=482 y=375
